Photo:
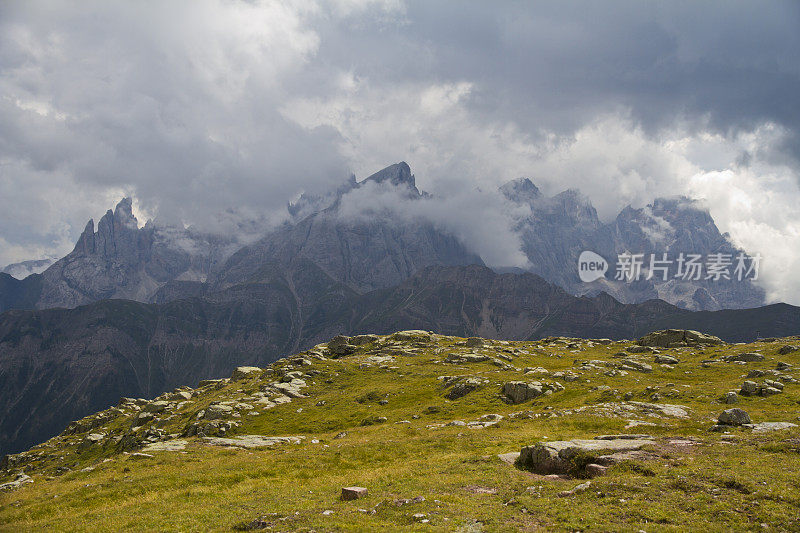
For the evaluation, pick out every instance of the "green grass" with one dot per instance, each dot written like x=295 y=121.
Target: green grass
x=714 y=485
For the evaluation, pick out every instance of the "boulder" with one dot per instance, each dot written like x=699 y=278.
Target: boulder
x=734 y=417
x=787 y=348
x=92 y=439
x=749 y=388
x=156 y=407
x=459 y=358
x=218 y=411
x=638 y=349
x=411 y=335
x=666 y=360
x=748 y=357
x=474 y=342
x=20 y=480
x=353 y=493
x=340 y=346
x=572 y=456
x=670 y=337
x=631 y=364
x=243 y=372
x=462 y=388
x=210 y=382
x=520 y=391
x=358 y=340
x=730 y=397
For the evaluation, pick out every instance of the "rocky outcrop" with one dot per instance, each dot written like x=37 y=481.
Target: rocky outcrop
x=573 y=456
x=676 y=338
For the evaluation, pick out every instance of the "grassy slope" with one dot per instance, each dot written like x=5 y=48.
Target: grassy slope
x=713 y=485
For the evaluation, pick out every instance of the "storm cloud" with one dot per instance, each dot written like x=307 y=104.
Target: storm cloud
x=212 y=110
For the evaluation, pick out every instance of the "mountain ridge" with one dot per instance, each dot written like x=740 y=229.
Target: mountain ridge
x=97 y=352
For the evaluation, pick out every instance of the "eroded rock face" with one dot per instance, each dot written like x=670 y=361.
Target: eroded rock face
x=670 y=338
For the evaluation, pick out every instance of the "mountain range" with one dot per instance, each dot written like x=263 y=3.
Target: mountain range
x=158 y=263
x=135 y=311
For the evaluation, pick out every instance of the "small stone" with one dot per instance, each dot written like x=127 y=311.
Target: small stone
x=583 y=487
x=594 y=470
x=353 y=493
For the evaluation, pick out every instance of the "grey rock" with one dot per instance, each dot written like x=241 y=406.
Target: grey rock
x=353 y=493
x=666 y=360
x=218 y=411
x=748 y=357
x=556 y=457
x=520 y=391
x=251 y=441
x=340 y=346
x=668 y=337
x=749 y=388
x=20 y=480
x=734 y=417
x=244 y=372
x=787 y=349
x=462 y=388
x=730 y=397
x=638 y=349
x=770 y=426
x=631 y=364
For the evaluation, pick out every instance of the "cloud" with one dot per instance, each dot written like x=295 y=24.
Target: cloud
x=217 y=113
x=483 y=220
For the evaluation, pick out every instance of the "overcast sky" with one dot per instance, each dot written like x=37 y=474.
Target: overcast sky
x=198 y=106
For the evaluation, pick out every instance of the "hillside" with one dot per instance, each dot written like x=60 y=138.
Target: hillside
x=431 y=426
x=57 y=365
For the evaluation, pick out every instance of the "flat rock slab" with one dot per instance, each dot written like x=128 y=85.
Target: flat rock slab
x=510 y=457
x=770 y=426
x=174 y=445
x=665 y=409
x=624 y=436
x=557 y=457
x=251 y=441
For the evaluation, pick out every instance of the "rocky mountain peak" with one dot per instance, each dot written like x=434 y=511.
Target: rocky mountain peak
x=397 y=174
x=86 y=243
x=521 y=190
x=123 y=213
